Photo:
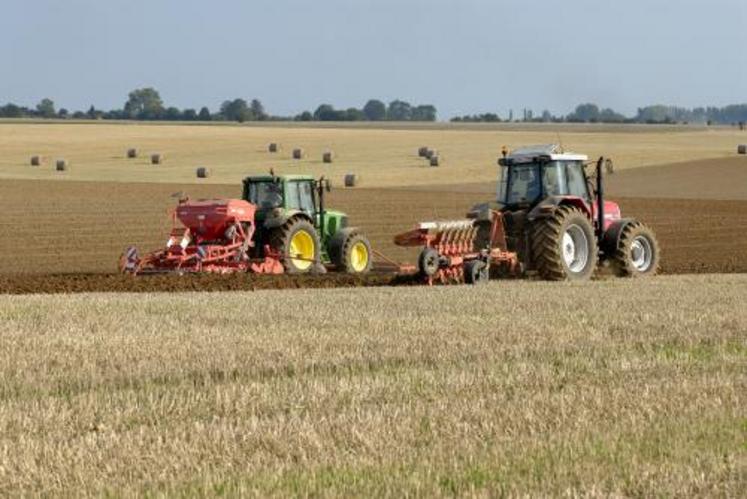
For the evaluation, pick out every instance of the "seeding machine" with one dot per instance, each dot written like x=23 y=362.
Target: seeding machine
x=550 y=219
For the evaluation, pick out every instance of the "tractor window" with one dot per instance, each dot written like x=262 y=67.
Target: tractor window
x=554 y=179
x=524 y=186
x=306 y=197
x=266 y=195
x=301 y=196
x=576 y=180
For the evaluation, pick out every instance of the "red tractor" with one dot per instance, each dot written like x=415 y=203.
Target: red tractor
x=550 y=218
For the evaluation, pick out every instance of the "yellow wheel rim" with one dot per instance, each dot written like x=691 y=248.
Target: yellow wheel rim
x=302 y=250
x=359 y=257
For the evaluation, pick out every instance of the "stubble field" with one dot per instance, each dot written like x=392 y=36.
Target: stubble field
x=632 y=388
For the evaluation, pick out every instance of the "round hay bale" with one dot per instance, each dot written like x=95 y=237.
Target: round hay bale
x=273 y=147
x=434 y=160
x=298 y=153
x=742 y=149
x=328 y=157
x=430 y=153
x=36 y=160
x=156 y=159
x=423 y=151
x=203 y=172
x=351 y=180
x=132 y=153
x=62 y=165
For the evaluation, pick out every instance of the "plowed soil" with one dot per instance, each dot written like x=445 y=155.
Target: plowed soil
x=67 y=236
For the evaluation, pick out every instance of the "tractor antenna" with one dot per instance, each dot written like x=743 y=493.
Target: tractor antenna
x=560 y=143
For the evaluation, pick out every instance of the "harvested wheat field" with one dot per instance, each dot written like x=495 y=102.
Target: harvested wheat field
x=511 y=388
x=385 y=156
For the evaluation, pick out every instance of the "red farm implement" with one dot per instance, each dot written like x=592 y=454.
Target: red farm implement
x=461 y=251
x=213 y=236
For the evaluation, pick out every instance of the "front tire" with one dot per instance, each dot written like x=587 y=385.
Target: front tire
x=298 y=244
x=563 y=245
x=350 y=252
x=637 y=253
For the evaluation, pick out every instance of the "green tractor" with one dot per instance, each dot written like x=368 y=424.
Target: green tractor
x=291 y=220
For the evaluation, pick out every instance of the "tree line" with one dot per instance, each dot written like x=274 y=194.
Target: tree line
x=146 y=104
x=591 y=113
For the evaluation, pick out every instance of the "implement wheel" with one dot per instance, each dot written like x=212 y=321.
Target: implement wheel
x=297 y=241
x=476 y=272
x=428 y=262
x=350 y=252
x=637 y=252
x=563 y=245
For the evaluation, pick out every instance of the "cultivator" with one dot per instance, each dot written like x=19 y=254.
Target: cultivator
x=461 y=251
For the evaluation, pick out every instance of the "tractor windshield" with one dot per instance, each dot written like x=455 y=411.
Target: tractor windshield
x=530 y=182
x=266 y=195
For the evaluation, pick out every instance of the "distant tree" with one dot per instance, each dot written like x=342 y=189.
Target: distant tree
x=585 y=113
x=91 y=112
x=305 y=116
x=11 y=111
x=63 y=113
x=326 y=112
x=375 y=110
x=354 y=114
x=236 y=110
x=425 y=112
x=546 y=116
x=608 y=115
x=399 y=111
x=144 y=104
x=204 y=114
x=258 y=110
x=189 y=115
x=172 y=114
x=79 y=115
x=45 y=108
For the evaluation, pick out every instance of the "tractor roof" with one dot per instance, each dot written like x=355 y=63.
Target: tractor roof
x=269 y=178
x=552 y=152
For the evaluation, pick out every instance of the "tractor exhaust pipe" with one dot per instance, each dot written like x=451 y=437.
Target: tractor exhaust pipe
x=600 y=201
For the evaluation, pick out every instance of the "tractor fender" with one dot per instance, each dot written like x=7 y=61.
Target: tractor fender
x=548 y=206
x=611 y=237
x=277 y=221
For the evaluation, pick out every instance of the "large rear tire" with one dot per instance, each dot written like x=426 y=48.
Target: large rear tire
x=350 y=252
x=563 y=245
x=298 y=244
x=637 y=253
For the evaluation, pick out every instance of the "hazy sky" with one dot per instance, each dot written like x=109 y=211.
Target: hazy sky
x=463 y=56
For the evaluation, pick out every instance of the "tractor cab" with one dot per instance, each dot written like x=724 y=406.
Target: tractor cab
x=270 y=194
x=532 y=174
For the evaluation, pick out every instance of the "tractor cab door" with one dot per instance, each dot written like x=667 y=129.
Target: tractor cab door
x=301 y=196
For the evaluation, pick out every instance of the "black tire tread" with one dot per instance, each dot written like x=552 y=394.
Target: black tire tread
x=340 y=248
x=621 y=257
x=280 y=241
x=545 y=244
